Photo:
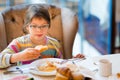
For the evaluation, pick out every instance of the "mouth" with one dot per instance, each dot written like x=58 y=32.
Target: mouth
x=39 y=35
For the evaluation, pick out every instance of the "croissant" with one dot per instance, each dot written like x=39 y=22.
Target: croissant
x=63 y=73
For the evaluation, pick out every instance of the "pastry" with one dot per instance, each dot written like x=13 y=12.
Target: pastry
x=42 y=48
x=48 y=67
x=63 y=73
x=77 y=76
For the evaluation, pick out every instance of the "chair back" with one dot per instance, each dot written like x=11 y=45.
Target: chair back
x=64 y=25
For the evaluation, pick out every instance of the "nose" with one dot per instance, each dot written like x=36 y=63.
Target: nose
x=38 y=28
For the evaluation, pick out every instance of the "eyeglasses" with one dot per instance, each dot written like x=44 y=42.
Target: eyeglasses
x=42 y=27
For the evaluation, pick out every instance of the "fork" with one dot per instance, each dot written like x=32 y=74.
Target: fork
x=17 y=69
x=74 y=59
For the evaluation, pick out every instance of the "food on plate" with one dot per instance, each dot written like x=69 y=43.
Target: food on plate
x=63 y=73
x=49 y=66
x=42 y=48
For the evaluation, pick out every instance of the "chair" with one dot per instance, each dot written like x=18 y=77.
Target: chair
x=64 y=25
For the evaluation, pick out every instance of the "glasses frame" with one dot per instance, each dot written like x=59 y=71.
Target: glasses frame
x=41 y=27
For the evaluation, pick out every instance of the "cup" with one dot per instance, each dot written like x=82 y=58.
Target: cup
x=105 y=67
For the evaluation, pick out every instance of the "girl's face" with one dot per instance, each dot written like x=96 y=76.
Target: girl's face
x=38 y=29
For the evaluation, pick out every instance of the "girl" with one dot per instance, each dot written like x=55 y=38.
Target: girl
x=23 y=49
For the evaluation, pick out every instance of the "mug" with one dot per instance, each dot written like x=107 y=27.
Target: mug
x=105 y=67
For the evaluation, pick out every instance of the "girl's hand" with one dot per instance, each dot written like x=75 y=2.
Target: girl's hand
x=29 y=54
x=25 y=55
x=79 y=56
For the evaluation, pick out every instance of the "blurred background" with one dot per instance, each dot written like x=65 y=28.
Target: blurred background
x=99 y=23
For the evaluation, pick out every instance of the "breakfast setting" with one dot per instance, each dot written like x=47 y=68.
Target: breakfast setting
x=95 y=68
x=52 y=69
x=59 y=40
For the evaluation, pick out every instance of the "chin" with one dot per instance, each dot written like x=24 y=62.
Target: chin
x=40 y=38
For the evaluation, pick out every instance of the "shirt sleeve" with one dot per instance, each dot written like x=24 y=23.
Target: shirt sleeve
x=7 y=53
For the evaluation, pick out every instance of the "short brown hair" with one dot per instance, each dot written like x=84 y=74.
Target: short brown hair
x=36 y=11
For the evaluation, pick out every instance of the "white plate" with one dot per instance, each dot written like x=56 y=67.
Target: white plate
x=86 y=72
x=41 y=62
x=41 y=73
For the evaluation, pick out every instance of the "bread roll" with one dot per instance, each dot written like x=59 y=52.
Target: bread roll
x=41 y=48
x=48 y=67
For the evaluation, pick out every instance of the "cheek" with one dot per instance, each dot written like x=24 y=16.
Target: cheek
x=32 y=32
x=45 y=32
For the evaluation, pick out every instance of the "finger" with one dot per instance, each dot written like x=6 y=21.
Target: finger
x=79 y=56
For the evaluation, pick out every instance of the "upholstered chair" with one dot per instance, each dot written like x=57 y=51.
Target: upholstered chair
x=64 y=25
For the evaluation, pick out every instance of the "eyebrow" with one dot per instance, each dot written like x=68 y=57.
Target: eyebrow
x=39 y=25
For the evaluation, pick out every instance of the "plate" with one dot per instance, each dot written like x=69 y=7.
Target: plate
x=73 y=67
x=42 y=73
x=42 y=62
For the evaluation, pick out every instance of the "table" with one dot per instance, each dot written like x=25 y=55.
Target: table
x=24 y=67
x=114 y=59
x=88 y=63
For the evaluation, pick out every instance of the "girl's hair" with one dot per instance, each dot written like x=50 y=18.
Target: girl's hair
x=35 y=11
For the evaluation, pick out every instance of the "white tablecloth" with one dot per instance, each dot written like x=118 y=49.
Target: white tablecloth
x=114 y=59
x=88 y=63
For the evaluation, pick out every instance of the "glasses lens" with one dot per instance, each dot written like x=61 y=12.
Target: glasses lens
x=44 y=26
x=33 y=26
x=40 y=27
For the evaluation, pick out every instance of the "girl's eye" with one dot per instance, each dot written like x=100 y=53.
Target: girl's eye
x=33 y=26
x=43 y=26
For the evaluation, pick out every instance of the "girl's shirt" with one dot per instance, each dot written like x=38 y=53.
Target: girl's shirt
x=21 y=43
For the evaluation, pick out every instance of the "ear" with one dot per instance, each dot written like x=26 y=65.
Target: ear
x=27 y=28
